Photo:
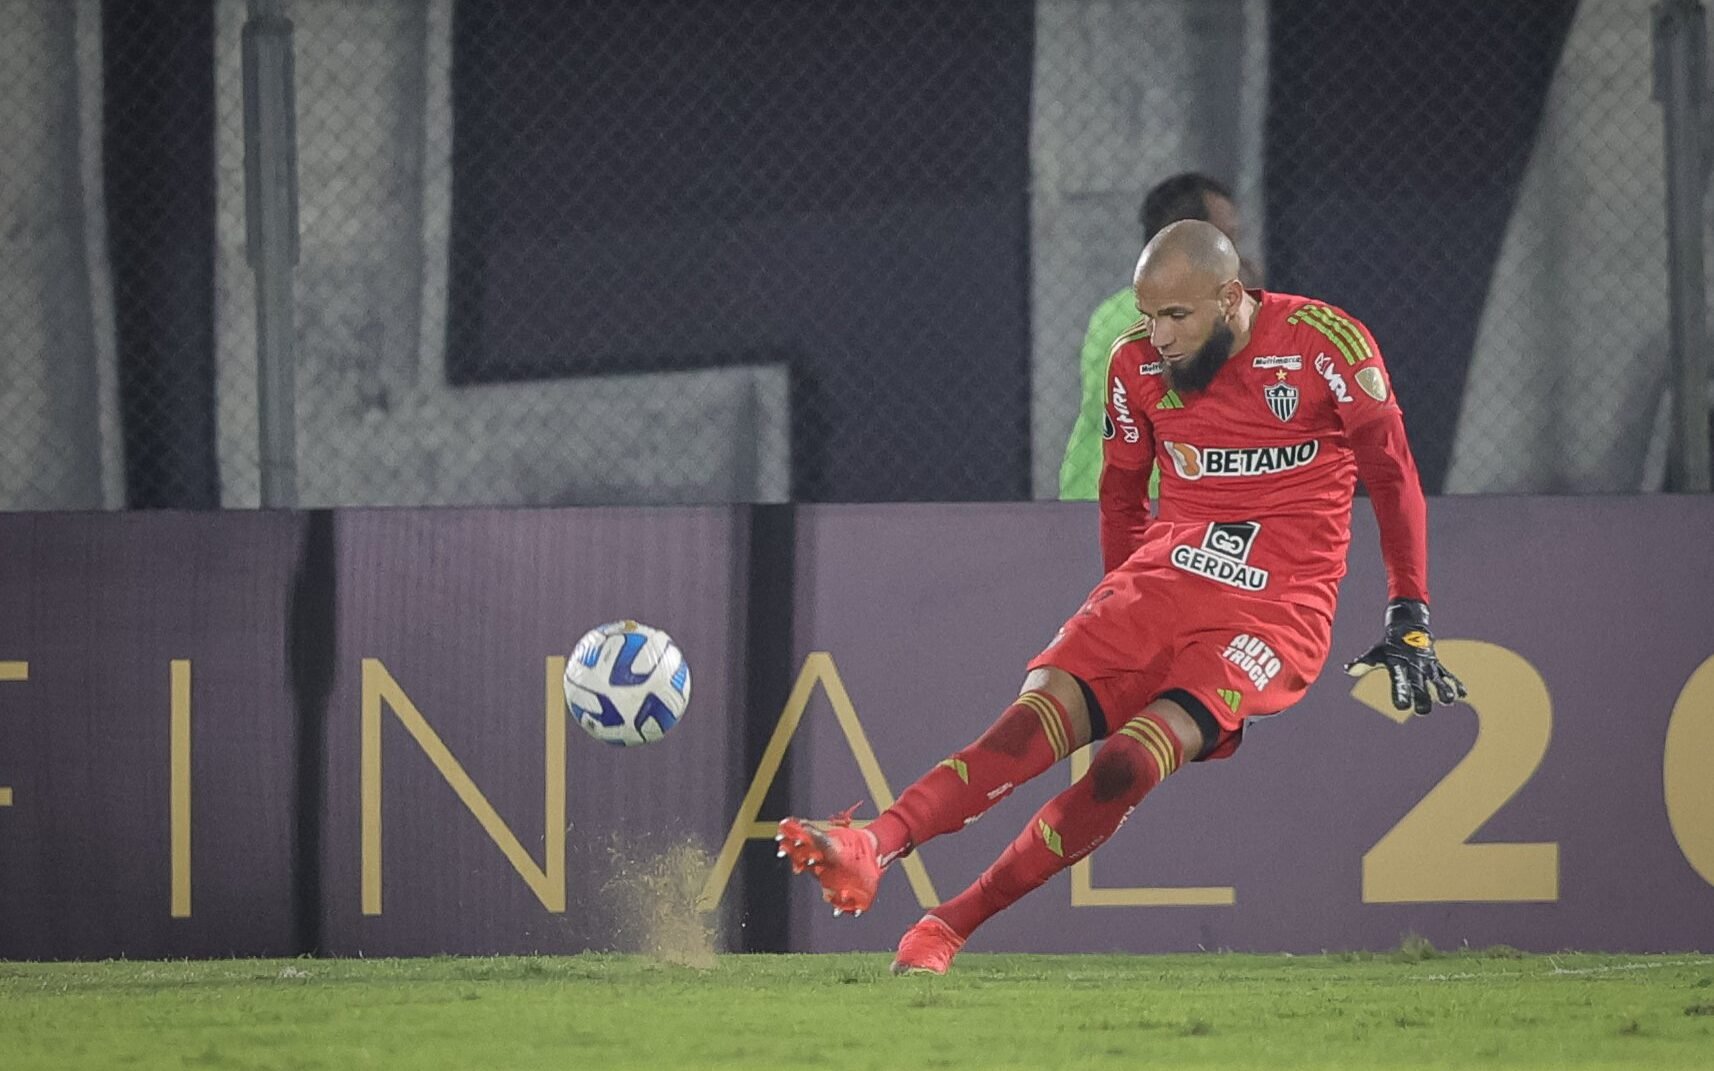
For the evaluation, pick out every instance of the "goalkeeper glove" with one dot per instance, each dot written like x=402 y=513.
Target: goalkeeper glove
x=1407 y=654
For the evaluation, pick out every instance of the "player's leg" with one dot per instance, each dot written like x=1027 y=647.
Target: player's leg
x=1052 y=717
x=1138 y=755
x=1049 y=720
x=1234 y=659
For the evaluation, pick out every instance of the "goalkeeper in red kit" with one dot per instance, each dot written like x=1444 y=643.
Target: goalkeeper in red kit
x=1262 y=410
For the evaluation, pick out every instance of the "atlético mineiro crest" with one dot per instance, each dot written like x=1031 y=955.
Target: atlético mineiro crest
x=1282 y=399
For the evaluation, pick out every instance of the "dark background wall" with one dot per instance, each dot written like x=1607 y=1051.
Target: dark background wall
x=1396 y=138
x=659 y=185
x=158 y=162
x=842 y=186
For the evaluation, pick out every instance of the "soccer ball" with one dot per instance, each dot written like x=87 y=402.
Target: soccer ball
x=626 y=683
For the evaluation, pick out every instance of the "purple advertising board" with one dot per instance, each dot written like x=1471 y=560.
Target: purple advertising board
x=462 y=619
x=263 y=733
x=145 y=734
x=155 y=669
x=1570 y=805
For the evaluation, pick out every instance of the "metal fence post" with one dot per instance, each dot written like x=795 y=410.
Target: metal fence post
x=1681 y=86
x=271 y=218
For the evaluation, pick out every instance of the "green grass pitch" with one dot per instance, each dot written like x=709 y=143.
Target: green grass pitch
x=1411 y=1008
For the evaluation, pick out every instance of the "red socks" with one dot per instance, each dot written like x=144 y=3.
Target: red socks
x=1033 y=734
x=1030 y=736
x=1072 y=824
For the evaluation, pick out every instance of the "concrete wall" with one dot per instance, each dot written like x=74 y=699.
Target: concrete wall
x=58 y=414
x=1568 y=386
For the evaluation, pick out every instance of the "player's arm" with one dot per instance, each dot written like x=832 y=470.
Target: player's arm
x=1406 y=650
x=1128 y=448
x=1374 y=427
x=1388 y=471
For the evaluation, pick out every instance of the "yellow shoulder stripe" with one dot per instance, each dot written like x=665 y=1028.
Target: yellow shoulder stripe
x=1136 y=331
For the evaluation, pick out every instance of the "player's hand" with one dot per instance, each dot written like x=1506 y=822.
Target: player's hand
x=1406 y=652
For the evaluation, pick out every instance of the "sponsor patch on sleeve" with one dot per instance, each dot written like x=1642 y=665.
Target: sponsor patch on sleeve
x=1373 y=383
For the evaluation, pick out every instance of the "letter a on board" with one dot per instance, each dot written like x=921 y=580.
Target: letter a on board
x=818 y=668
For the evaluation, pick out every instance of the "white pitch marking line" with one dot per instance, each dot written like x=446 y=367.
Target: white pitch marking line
x=1564 y=971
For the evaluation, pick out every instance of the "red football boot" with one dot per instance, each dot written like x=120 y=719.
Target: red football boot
x=840 y=857
x=927 y=948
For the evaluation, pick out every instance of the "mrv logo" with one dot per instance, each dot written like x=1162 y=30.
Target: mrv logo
x=1122 y=412
x=1195 y=462
x=1224 y=555
x=1335 y=381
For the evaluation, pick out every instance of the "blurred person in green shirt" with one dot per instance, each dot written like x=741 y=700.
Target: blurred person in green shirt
x=1184 y=196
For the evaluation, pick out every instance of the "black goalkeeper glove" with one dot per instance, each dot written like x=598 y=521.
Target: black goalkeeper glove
x=1407 y=653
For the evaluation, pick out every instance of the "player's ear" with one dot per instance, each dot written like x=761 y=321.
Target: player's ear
x=1231 y=294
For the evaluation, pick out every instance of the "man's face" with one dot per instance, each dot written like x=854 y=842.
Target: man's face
x=1194 y=375
x=1189 y=328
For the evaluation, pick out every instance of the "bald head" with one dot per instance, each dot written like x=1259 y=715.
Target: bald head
x=1186 y=256
x=1187 y=284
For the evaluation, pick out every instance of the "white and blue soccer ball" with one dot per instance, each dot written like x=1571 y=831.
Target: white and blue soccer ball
x=626 y=683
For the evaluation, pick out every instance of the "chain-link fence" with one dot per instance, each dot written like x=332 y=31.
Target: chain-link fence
x=759 y=250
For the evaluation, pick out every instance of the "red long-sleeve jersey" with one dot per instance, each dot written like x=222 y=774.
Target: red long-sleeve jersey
x=1258 y=471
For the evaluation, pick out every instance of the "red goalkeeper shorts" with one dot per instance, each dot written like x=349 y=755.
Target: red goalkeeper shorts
x=1145 y=634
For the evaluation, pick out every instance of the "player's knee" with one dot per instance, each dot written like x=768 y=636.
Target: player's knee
x=1142 y=754
x=1014 y=733
x=1172 y=717
x=1117 y=771
x=1064 y=689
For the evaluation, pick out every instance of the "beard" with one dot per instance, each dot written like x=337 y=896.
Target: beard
x=1194 y=375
